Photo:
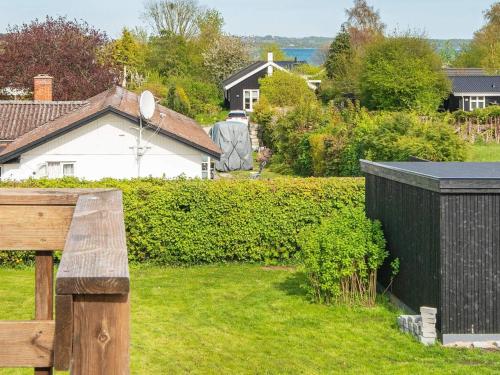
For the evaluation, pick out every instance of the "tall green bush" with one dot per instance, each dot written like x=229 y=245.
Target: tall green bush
x=182 y=222
x=341 y=257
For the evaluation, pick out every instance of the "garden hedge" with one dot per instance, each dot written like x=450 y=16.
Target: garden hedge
x=184 y=222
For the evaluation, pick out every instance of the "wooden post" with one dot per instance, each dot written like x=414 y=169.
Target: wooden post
x=101 y=335
x=44 y=287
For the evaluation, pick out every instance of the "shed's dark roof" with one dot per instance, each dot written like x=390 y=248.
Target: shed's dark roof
x=437 y=176
x=243 y=72
x=476 y=84
x=19 y=117
x=289 y=65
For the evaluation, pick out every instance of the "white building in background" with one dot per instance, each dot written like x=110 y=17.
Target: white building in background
x=98 y=138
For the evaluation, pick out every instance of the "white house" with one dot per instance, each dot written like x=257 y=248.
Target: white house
x=99 y=138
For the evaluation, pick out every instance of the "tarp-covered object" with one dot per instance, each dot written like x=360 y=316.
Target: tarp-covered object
x=233 y=139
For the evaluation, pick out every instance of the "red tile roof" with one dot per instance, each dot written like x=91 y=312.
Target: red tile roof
x=19 y=117
x=122 y=102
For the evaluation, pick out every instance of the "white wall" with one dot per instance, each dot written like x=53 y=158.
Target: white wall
x=105 y=148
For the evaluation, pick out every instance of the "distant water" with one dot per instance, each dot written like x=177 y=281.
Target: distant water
x=302 y=54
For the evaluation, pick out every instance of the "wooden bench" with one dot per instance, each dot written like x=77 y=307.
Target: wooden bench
x=90 y=332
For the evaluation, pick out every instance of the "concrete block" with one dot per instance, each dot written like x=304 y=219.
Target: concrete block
x=426 y=311
x=483 y=345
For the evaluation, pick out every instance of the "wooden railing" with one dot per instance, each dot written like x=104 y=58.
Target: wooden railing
x=90 y=332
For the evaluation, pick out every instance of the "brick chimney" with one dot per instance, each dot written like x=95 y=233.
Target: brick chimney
x=42 y=87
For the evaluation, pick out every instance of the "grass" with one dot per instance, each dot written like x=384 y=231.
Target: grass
x=245 y=319
x=484 y=152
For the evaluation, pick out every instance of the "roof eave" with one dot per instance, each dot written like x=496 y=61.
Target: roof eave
x=109 y=109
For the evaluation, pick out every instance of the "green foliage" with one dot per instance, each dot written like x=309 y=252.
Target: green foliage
x=341 y=257
x=193 y=97
x=484 y=50
x=339 y=54
x=278 y=53
x=403 y=73
x=185 y=222
x=398 y=136
x=343 y=69
x=315 y=142
x=297 y=91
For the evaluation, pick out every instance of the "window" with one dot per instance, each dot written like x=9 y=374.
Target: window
x=249 y=99
x=57 y=169
x=477 y=102
x=68 y=170
x=207 y=168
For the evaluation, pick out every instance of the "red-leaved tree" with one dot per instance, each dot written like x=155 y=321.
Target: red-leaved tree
x=70 y=51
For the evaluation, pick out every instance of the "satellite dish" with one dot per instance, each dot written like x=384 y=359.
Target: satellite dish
x=147 y=105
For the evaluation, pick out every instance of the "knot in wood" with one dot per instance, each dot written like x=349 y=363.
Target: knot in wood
x=103 y=337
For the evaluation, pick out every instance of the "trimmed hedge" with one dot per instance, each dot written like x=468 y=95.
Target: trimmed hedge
x=184 y=222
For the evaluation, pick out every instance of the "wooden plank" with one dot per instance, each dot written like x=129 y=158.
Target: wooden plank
x=34 y=227
x=63 y=345
x=101 y=335
x=26 y=343
x=95 y=255
x=42 y=197
x=44 y=287
x=44 y=281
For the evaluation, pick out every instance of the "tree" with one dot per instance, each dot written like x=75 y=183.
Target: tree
x=172 y=55
x=403 y=73
x=70 y=51
x=278 y=53
x=129 y=53
x=225 y=56
x=184 y=18
x=363 y=23
x=284 y=89
x=484 y=50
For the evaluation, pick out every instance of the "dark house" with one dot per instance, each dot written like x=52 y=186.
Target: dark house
x=472 y=89
x=242 y=89
x=442 y=220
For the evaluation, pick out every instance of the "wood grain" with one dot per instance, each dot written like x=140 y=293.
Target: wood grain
x=34 y=227
x=26 y=343
x=95 y=255
x=44 y=197
x=63 y=344
x=101 y=335
x=44 y=288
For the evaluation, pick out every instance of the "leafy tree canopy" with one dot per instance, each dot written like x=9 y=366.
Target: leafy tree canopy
x=403 y=72
x=297 y=90
x=70 y=51
x=484 y=51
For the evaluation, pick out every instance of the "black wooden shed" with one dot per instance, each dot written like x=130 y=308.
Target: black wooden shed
x=442 y=220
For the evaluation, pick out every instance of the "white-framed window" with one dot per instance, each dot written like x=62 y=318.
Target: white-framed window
x=57 y=169
x=477 y=102
x=250 y=97
x=207 y=168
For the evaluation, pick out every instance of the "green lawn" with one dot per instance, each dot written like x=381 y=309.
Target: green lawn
x=484 y=152
x=244 y=319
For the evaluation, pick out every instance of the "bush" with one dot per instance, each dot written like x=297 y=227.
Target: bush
x=403 y=73
x=192 y=97
x=184 y=222
x=297 y=90
x=341 y=257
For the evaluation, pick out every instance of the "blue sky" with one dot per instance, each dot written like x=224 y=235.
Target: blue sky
x=438 y=18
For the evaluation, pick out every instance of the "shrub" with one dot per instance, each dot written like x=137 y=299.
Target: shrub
x=297 y=90
x=183 y=222
x=403 y=73
x=341 y=257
